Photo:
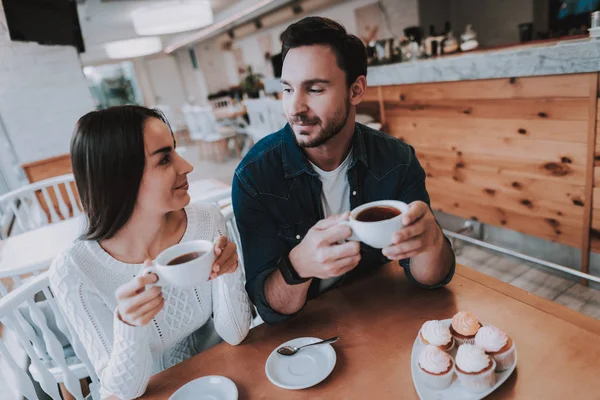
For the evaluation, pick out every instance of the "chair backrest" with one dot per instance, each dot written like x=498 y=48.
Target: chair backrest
x=277 y=116
x=206 y=120
x=233 y=233
x=260 y=120
x=29 y=204
x=221 y=102
x=41 y=344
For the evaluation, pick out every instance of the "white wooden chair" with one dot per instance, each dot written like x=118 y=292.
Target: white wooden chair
x=277 y=116
x=260 y=119
x=49 y=366
x=203 y=127
x=41 y=203
x=234 y=235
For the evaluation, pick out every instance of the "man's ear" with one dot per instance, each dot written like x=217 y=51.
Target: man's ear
x=358 y=90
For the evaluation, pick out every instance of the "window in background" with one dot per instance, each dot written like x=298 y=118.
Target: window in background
x=113 y=84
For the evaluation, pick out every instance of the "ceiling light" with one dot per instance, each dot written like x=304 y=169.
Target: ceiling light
x=131 y=48
x=172 y=17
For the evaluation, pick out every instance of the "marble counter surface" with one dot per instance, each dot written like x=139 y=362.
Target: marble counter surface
x=567 y=57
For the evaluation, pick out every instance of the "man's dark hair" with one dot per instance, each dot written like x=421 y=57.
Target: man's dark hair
x=349 y=50
x=108 y=158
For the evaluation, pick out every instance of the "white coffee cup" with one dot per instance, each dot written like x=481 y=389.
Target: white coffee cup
x=378 y=234
x=191 y=273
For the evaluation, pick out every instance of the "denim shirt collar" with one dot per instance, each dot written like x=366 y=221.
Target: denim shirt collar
x=295 y=161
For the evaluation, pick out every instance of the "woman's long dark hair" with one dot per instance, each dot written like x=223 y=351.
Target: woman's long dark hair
x=108 y=157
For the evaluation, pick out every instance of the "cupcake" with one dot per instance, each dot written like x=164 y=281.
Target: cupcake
x=438 y=334
x=474 y=368
x=497 y=345
x=464 y=327
x=436 y=367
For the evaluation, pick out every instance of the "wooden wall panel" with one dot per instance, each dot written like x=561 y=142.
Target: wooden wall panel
x=543 y=87
x=507 y=152
x=370 y=104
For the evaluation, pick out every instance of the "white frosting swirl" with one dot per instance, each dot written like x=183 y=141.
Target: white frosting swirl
x=436 y=333
x=471 y=358
x=434 y=360
x=490 y=338
x=465 y=323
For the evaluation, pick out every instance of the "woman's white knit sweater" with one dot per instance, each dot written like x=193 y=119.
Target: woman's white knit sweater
x=84 y=280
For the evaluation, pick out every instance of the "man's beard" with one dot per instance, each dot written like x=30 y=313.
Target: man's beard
x=327 y=132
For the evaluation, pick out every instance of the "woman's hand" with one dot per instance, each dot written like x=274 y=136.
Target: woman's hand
x=226 y=257
x=136 y=304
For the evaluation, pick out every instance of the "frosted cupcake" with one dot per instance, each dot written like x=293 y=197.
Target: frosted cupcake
x=436 y=367
x=497 y=345
x=438 y=334
x=474 y=368
x=464 y=328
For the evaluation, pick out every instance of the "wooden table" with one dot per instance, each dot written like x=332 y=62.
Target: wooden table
x=378 y=319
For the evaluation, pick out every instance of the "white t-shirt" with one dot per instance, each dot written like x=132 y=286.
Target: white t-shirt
x=335 y=198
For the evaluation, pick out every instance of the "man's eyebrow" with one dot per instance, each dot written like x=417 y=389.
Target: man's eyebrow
x=308 y=82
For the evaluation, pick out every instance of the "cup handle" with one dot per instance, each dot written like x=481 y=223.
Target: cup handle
x=353 y=237
x=152 y=270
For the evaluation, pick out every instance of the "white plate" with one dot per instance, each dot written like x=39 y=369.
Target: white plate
x=455 y=391
x=304 y=369
x=207 y=388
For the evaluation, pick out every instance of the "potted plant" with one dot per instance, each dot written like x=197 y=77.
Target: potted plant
x=251 y=84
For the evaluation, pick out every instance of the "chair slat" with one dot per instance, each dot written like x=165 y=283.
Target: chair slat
x=53 y=215
x=46 y=380
x=24 y=385
x=62 y=205
x=55 y=350
x=72 y=200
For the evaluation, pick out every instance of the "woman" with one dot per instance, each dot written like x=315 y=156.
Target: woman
x=133 y=189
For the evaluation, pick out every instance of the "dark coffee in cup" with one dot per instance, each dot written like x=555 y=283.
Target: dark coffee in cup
x=186 y=257
x=377 y=213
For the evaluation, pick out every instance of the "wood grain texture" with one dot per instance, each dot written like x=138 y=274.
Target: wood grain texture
x=553 y=130
x=509 y=152
x=49 y=168
x=376 y=338
x=543 y=87
x=551 y=109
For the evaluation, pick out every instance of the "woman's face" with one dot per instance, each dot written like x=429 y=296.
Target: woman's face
x=164 y=186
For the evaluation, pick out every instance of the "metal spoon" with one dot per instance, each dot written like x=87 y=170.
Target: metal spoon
x=291 y=350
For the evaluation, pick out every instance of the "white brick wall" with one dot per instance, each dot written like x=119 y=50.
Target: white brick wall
x=42 y=94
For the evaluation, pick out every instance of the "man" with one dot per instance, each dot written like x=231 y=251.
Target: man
x=293 y=187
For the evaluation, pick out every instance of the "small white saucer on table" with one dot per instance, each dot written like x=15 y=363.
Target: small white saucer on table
x=306 y=368
x=207 y=388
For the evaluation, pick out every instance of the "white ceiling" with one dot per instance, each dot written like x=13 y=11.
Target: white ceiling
x=103 y=22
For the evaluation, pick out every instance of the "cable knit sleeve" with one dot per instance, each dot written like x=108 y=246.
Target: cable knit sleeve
x=120 y=353
x=231 y=307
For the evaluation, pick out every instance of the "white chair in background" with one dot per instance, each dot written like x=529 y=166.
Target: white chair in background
x=49 y=366
x=260 y=120
x=277 y=116
x=234 y=235
x=203 y=127
x=41 y=203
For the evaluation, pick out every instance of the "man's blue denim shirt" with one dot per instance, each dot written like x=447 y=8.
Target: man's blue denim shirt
x=277 y=199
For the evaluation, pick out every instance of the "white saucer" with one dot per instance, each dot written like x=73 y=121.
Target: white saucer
x=304 y=369
x=207 y=388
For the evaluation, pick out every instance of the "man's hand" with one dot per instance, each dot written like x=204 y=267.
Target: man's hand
x=420 y=233
x=322 y=253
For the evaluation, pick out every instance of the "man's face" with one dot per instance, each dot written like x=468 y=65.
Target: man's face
x=315 y=95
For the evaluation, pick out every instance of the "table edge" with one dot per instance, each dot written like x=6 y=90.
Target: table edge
x=548 y=306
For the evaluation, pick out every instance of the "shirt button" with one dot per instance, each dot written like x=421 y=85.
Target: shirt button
x=354 y=193
x=298 y=237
